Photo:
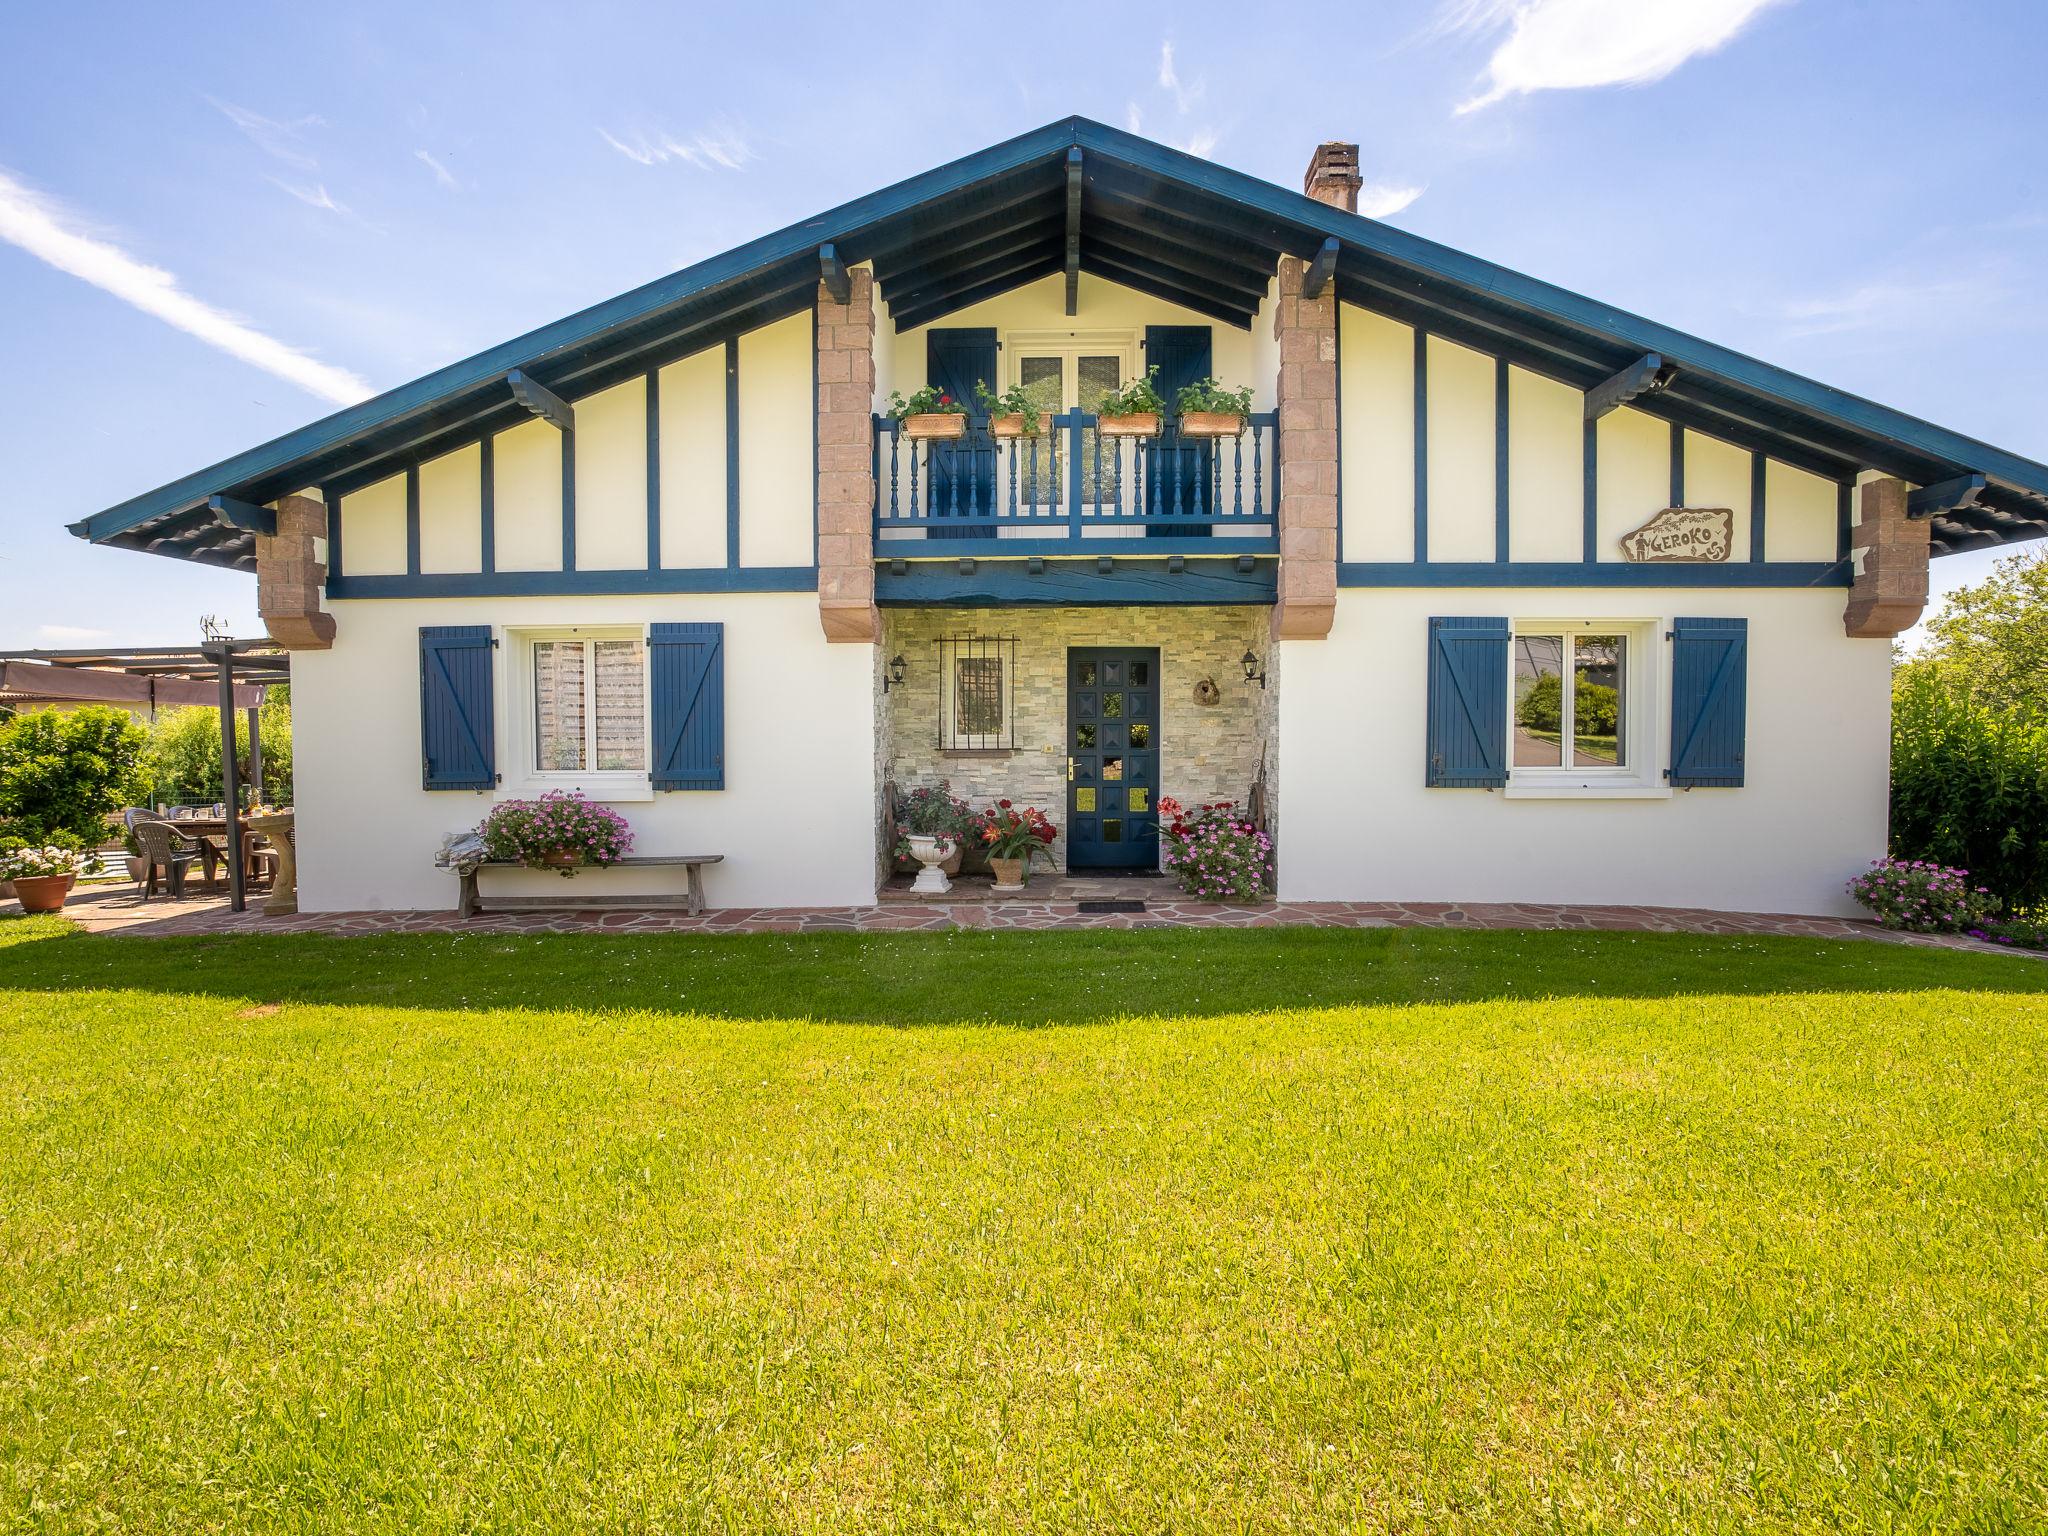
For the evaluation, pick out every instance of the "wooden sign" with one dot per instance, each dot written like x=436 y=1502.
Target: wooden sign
x=1682 y=533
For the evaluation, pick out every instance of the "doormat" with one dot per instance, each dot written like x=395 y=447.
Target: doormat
x=1111 y=906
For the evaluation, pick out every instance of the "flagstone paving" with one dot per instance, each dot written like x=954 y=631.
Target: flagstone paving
x=1055 y=902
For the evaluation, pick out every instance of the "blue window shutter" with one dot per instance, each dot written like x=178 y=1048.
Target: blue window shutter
x=686 y=671
x=1468 y=703
x=458 y=748
x=1709 y=702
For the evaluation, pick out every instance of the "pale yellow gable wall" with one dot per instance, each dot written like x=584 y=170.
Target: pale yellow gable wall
x=373 y=529
x=1461 y=452
x=1802 y=515
x=778 y=488
x=1376 y=380
x=692 y=406
x=452 y=512
x=1717 y=475
x=528 y=504
x=1546 y=468
x=611 y=478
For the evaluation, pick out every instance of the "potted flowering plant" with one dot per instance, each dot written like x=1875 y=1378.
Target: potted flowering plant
x=1009 y=837
x=559 y=831
x=1216 y=852
x=41 y=876
x=929 y=413
x=1207 y=409
x=932 y=811
x=1013 y=413
x=1132 y=409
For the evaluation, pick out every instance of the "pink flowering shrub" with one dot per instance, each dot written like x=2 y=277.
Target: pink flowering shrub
x=1922 y=897
x=527 y=831
x=1215 y=851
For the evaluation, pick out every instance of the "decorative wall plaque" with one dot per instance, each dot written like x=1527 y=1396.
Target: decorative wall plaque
x=1682 y=533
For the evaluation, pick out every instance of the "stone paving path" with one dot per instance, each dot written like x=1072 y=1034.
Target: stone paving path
x=118 y=910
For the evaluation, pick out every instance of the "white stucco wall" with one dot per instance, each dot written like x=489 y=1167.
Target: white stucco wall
x=1361 y=825
x=795 y=820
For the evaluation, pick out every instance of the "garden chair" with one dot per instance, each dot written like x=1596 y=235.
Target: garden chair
x=164 y=847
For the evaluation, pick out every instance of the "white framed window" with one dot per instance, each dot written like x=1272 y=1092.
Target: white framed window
x=1580 y=708
x=577 y=714
x=1065 y=371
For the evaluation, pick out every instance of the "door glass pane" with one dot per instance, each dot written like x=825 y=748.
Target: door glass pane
x=1084 y=799
x=1141 y=673
x=1141 y=737
x=1095 y=375
x=1112 y=770
x=1597 y=665
x=1112 y=829
x=1539 y=701
x=1140 y=798
x=1084 y=674
x=621 y=706
x=1084 y=738
x=1112 y=706
x=558 y=705
x=1038 y=458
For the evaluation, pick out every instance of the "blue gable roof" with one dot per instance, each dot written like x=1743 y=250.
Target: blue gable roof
x=1153 y=219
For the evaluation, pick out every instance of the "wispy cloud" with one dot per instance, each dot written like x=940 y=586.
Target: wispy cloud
x=283 y=141
x=1565 y=45
x=315 y=196
x=1892 y=303
x=722 y=146
x=47 y=231
x=70 y=634
x=1185 y=95
x=441 y=172
x=1384 y=199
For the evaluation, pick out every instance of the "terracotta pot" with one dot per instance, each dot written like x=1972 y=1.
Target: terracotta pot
x=42 y=893
x=1211 y=424
x=1012 y=425
x=1009 y=873
x=1144 y=424
x=138 y=868
x=934 y=424
x=562 y=858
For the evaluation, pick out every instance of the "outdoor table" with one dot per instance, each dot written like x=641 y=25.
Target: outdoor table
x=212 y=833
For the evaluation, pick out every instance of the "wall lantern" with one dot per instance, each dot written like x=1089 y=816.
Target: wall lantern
x=1253 y=672
x=895 y=673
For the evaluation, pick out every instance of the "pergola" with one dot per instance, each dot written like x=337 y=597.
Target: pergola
x=227 y=674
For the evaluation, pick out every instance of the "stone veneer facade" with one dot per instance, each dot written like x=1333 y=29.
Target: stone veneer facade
x=1890 y=552
x=1207 y=751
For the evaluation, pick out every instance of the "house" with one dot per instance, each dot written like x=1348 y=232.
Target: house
x=1500 y=594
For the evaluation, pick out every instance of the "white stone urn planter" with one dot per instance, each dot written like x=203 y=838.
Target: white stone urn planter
x=931 y=852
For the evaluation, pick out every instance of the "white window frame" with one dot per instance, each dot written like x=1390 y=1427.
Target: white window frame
x=516 y=709
x=1640 y=774
x=1071 y=347
x=949 y=694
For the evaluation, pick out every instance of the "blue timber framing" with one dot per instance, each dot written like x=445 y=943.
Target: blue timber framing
x=1646 y=375
x=1073 y=252
x=541 y=400
x=713 y=578
x=1759 y=497
x=1421 y=444
x=653 y=403
x=732 y=454
x=1604 y=573
x=244 y=515
x=978 y=582
x=412 y=521
x=1950 y=495
x=1677 y=466
x=1019 y=184
x=832 y=273
x=1502 y=489
x=487 y=496
x=1589 y=492
x=1320 y=270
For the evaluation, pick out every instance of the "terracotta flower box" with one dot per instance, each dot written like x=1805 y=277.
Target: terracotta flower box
x=1143 y=424
x=930 y=426
x=1012 y=425
x=1211 y=424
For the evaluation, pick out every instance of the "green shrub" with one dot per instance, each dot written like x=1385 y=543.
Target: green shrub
x=1970 y=787
x=66 y=770
x=183 y=757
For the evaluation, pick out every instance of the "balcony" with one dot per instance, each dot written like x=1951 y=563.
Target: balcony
x=1072 y=486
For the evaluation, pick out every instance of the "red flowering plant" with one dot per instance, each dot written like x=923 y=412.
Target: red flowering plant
x=559 y=822
x=1215 y=850
x=929 y=401
x=1009 y=833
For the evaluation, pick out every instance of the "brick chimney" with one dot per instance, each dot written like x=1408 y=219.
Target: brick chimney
x=1333 y=176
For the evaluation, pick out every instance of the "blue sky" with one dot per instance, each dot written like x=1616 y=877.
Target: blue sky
x=280 y=205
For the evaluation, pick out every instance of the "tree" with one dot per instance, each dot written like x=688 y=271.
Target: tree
x=1991 y=640
x=183 y=758
x=66 y=771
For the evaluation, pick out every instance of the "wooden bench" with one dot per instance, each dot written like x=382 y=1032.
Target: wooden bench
x=471 y=903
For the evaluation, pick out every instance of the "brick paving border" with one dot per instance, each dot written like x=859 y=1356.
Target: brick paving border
x=118 y=911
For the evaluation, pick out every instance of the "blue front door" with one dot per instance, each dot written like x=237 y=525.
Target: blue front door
x=1112 y=758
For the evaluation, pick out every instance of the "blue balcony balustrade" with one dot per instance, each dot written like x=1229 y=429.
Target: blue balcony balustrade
x=1072 y=484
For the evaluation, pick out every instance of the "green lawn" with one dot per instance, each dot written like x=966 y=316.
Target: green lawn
x=1269 y=1231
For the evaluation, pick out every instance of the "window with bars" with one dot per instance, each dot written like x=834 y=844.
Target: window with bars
x=977 y=676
